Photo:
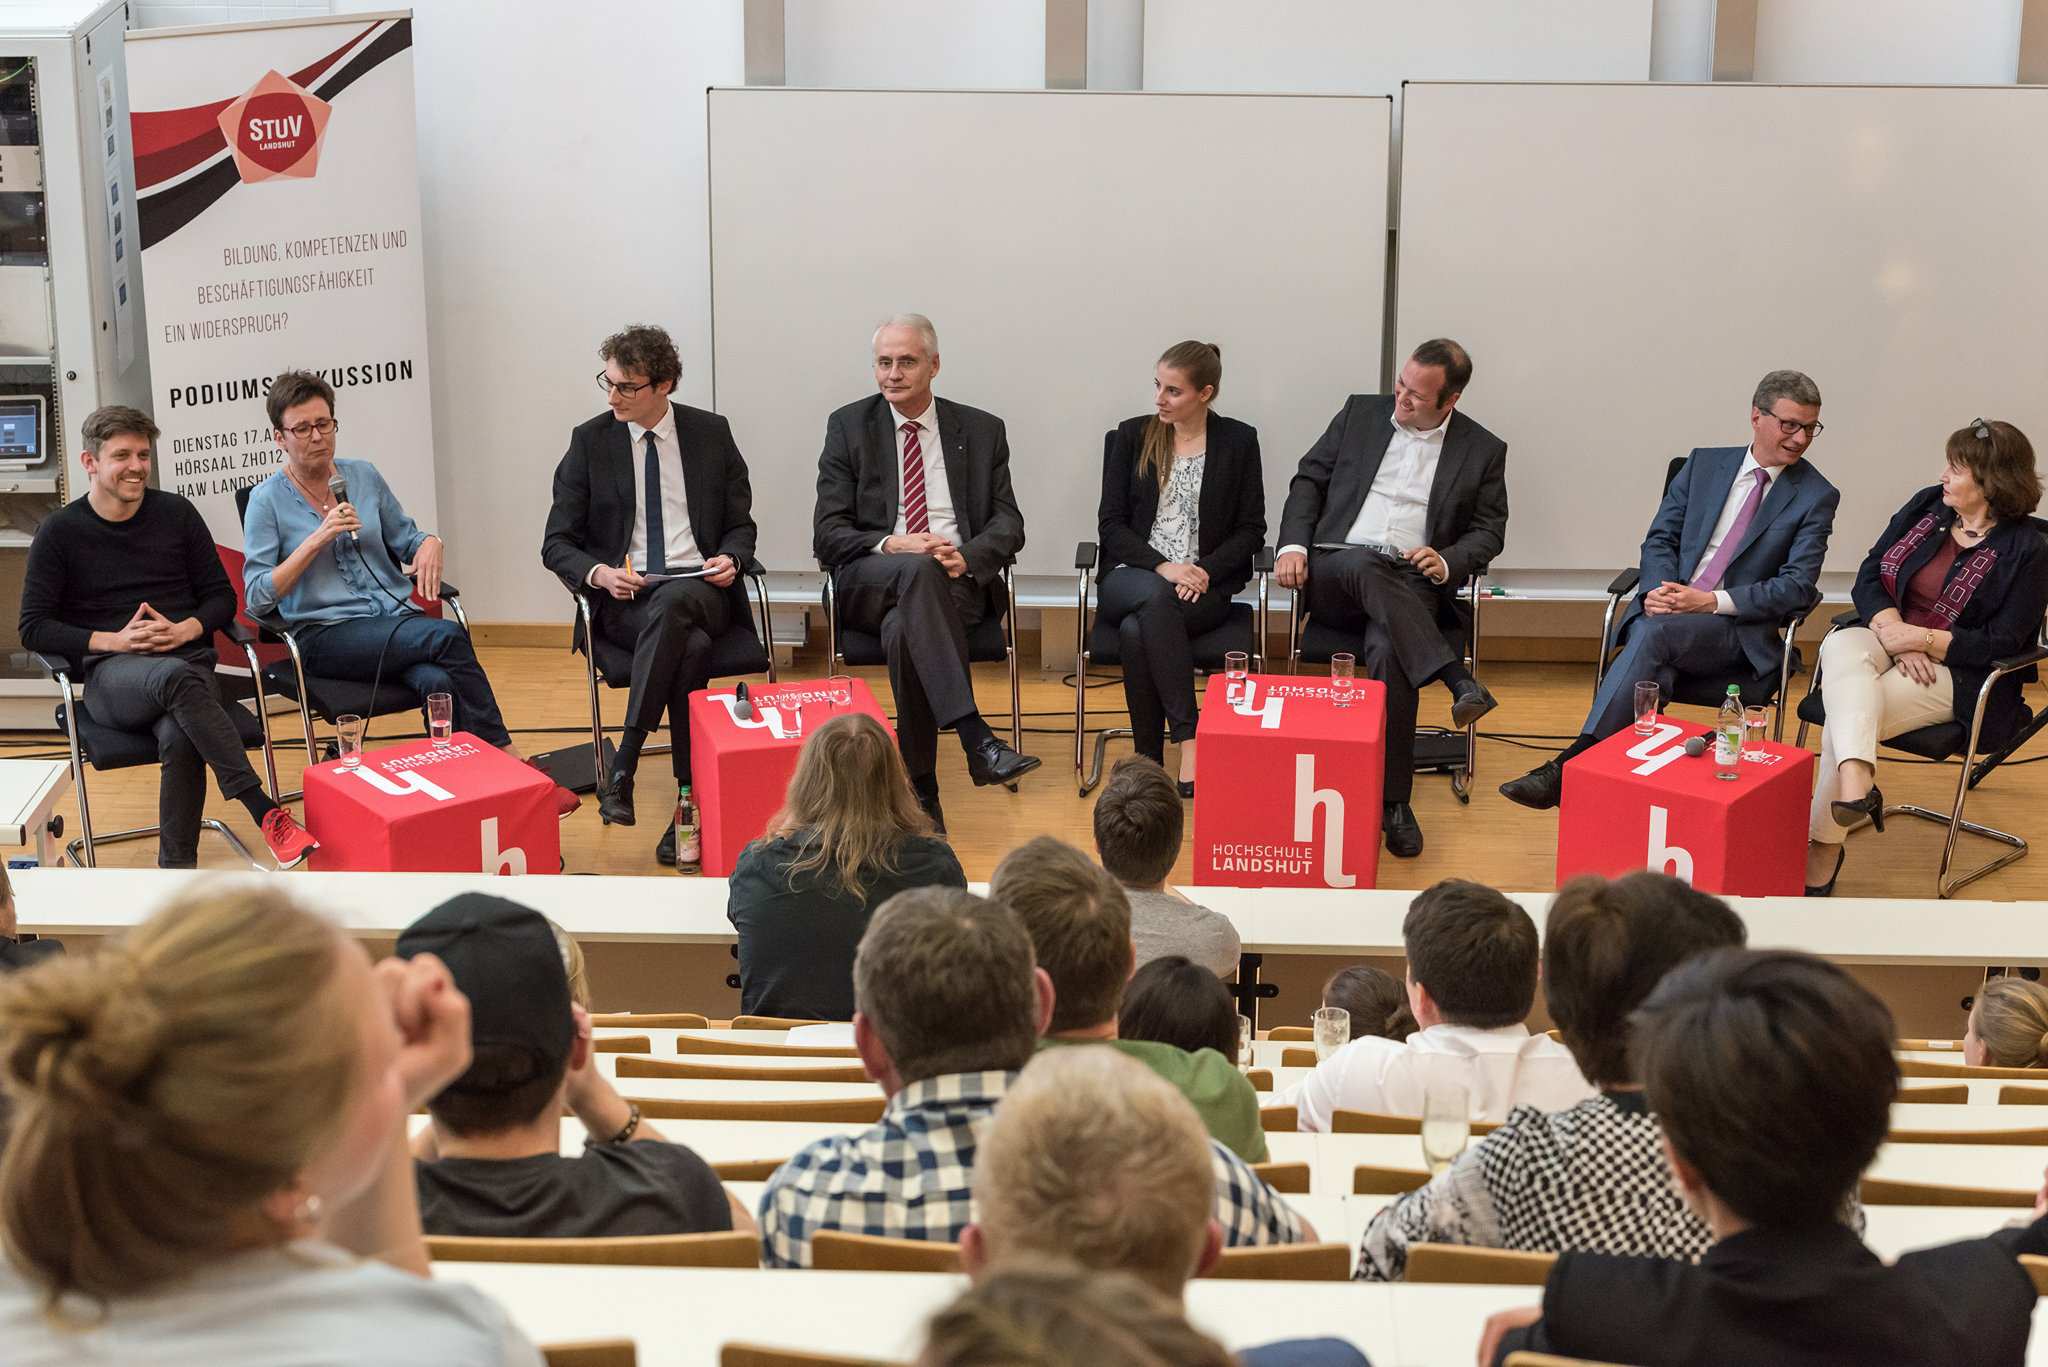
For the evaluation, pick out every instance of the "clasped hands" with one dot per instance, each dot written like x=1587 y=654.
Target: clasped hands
x=1907 y=645
x=623 y=581
x=1672 y=597
x=1291 y=569
x=1189 y=581
x=149 y=632
x=927 y=543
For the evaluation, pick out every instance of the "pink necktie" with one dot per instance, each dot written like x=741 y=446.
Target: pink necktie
x=915 y=516
x=1709 y=577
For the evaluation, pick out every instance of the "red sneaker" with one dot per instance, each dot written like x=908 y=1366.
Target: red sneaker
x=289 y=844
x=566 y=802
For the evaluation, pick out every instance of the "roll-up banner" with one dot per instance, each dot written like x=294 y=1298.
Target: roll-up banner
x=277 y=206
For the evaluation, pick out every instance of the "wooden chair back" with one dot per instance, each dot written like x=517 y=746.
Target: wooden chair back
x=723 y=1249
x=1945 y=1045
x=739 y=1072
x=1292 y=1033
x=1368 y=1180
x=1372 y=1122
x=1480 y=1266
x=852 y=1111
x=2027 y=1136
x=770 y=1022
x=1279 y=1119
x=1878 y=1191
x=1285 y=1263
x=834 y=1250
x=2036 y=1268
x=1297 y=1058
x=1528 y=1359
x=591 y=1353
x=747 y=1169
x=1289 y=1179
x=1261 y=1079
x=758 y=1355
x=649 y=1020
x=622 y=1044
x=1920 y=1067
x=1954 y=1094
x=712 y=1044
x=2011 y=1095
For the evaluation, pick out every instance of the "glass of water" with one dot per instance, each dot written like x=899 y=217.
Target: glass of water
x=1646 y=707
x=440 y=718
x=348 y=737
x=1236 y=666
x=839 y=689
x=1343 y=669
x=1754 y=721
x=1332 y=1030
x=1244 y=1044
x=1446 y=1122
x=792 y=720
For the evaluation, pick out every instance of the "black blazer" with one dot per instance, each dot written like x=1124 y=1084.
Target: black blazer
x=2003 y=616
x=858 y=486
x=592 y=517
x=1793 y=1298
x=1468 y=501
x=1233 y=503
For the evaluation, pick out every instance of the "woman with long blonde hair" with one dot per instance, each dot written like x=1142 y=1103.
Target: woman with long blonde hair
x=850 y=836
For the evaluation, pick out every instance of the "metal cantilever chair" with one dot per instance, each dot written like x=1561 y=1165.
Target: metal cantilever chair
x=1702 y=690
x=1948 y=740
x=1438 y=750
x=1244 y=629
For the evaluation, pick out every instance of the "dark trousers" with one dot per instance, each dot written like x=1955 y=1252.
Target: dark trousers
x=177 y=698
x=1659 y=649
x=922 y=615
x=1155 y=630
x=1393 y=608
x=428 y=654
x=669 y=629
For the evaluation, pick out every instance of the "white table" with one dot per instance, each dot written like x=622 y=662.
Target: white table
x=30 y=790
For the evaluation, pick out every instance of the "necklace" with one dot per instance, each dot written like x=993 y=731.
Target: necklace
x=1974 y=533
x=319 y=498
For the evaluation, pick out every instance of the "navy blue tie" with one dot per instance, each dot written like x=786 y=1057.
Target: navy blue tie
x=657 y=538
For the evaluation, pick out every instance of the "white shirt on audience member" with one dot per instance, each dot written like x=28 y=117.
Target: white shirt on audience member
x=1738 y=494
x=311 y=1305
x=1501 y=1068
x=938 y=494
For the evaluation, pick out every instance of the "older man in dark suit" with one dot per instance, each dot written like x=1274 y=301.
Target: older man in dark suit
x=1735 y=547
x=1401 y=501
x=915 y=521
x=652 y=488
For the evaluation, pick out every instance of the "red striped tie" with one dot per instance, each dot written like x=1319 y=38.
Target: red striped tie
x=915 y=516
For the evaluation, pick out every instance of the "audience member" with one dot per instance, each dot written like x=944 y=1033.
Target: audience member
x=1053 y=1314
x=1592 y=1176
x=574 y=965
x=492 y=1162
x=1094 y=1158
x=207 y=1166
x=1471 y=982
x=16 y=952
x=1139 y=817
x=849 y=837
x=1375 y=999
x=1080 y=928
x=1178 y=1002
x=950 y=1007
x=2008 y=1025
x=1772 y=1075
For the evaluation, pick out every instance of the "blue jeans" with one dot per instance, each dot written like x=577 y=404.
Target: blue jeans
x=430 y=654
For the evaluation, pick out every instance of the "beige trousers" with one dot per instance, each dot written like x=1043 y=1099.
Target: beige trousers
x=1869 y=699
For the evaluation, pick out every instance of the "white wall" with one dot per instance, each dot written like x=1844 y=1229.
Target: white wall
x=1116 y=44
x=914 y=44
x=562 y=196
x=1682 y=40
x=150 y=14
x=1866 y=42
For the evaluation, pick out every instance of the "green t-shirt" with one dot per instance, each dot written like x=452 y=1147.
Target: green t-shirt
x=1221 y=1095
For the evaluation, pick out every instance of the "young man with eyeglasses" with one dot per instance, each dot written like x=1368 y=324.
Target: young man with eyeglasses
x=1736 y=547
x=651 y=487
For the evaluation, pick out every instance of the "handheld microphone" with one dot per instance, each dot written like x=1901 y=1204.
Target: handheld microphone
x=1695 y=746
x=339 y=488
x=742 y=705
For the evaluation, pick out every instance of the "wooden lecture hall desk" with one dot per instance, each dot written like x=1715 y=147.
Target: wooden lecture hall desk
x=663 y=942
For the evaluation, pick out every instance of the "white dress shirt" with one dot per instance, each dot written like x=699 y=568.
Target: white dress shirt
x=938 y=495
x=1738 y=494
x=1500 y=1068
x=679 y=539
x=1396 y=509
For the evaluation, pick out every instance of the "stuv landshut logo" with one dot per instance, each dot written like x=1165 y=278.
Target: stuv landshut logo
x=275 y=130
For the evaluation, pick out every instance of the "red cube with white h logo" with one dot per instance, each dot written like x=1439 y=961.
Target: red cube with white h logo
x=1287 y=794
x=464 y=807
x=1634 y=802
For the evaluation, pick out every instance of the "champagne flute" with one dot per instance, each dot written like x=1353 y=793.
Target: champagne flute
x=1332 y=1030
x=1446 y=1123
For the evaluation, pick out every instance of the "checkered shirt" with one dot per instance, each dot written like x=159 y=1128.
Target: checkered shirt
x=910 y=1177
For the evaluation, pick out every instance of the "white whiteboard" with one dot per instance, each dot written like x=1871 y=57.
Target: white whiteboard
x=1059 y=241
x=1626 y=261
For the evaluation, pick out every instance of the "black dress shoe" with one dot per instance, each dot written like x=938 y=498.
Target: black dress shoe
x=1541 y=788
x=1871 y=804
x=1469 y=702
x=1398 y=828
x=615 y=801
x=665 y=851
x=1827 y=889
x=930 y=803
x=993 y=762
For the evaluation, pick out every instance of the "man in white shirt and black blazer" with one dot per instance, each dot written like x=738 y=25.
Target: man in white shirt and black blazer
x=915 y=521
x=1400 y=502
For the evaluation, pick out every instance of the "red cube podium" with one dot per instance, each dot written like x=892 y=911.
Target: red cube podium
x=740 y=768
x=1287 y=792
x=1634 y=802
x=467 y=807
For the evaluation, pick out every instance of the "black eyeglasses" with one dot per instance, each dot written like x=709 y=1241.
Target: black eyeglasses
x=324 y=426
x=1786 y=427
x=609 y=385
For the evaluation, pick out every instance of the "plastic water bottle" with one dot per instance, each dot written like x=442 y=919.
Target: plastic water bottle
x=1728 y=734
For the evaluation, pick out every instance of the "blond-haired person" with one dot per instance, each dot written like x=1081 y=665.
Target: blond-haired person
x=207 y=1162
x=1093 y=1157
x=1051 y=1313
x=849 y=837
x=2008 y=1026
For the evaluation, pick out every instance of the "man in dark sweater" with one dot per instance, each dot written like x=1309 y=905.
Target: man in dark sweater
x=125 y=583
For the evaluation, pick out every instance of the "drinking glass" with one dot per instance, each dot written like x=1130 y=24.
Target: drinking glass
x=1754 y=720
x=1646 y=707
x=1332 y=1030
x=839 y=688
x=792 y=720
x=1244 y=1044
x=1236 y=665
x=1446 y=1122
x=1343 y=669
x=440 y=718
x=348 y=735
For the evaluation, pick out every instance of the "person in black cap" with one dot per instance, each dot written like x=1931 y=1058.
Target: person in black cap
x=490 y=1163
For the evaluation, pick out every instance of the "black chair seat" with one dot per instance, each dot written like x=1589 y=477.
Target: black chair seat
x=106 y=748
x=1236 y=632
x=986 y=643
x=1943 y=740
x=1758 y=690
x=333 y=698
x=737 y=651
